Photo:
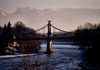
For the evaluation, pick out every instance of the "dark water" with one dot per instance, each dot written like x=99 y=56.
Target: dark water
x=64 y=57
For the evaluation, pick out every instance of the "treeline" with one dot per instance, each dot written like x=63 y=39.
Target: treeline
x=88 y=37
x=9 y=34
x=6 y=36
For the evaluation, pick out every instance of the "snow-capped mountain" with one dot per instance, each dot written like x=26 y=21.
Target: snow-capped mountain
x=65 y=18
x=2 y=13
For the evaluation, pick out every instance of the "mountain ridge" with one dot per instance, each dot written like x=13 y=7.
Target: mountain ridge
x=65 y=18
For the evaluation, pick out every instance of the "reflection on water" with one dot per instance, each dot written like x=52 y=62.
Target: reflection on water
x=64 y=57
x=39 y=62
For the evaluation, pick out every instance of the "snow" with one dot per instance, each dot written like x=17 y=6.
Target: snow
x=14 y=56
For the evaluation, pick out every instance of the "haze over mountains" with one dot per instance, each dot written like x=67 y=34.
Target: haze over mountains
x=66 y=18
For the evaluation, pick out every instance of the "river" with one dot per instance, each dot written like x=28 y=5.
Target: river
x=64 y=57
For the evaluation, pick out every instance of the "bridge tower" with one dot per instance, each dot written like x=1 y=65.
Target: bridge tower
x=49 y=40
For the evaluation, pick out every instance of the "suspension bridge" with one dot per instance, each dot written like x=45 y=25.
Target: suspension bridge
x=53 y=33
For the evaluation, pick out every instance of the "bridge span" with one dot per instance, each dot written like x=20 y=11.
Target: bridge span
x=49 y=36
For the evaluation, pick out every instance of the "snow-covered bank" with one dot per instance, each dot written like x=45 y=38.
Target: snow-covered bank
x=18 y=55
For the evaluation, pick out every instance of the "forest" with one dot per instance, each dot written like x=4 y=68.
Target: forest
x=88 y=37
x=9 y=33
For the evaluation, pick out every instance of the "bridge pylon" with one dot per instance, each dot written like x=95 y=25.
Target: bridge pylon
x=49 y=40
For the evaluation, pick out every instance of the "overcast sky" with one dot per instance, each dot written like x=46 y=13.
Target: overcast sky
x=10 y=6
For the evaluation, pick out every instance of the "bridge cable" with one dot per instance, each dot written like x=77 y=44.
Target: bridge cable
x=33 y=32
x=58 y=29
x=41 y=28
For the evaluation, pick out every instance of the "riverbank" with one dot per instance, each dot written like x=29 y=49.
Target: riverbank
x=90 y=60
x=86 y=66
x=20 y=55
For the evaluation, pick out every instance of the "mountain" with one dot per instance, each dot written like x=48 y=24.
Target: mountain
x=65 y=18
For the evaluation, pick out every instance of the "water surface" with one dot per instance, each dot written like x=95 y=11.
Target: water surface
x=64 y=57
